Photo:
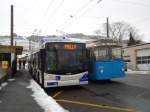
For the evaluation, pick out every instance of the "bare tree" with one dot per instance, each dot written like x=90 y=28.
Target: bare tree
x=121 y=31
x=97 y=32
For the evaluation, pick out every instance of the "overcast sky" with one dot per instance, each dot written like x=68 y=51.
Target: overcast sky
x=72 y=16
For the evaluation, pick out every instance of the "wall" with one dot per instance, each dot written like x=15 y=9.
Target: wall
x=130 y=53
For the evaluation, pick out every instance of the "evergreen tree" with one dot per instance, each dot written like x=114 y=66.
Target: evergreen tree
x=131 y=40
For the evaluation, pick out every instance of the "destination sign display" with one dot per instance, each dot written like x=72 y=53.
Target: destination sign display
x=70 y=46
x=67 y=46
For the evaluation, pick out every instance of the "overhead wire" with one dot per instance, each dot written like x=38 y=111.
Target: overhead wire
x=130 y=2
x=81 y=14
x=54 y=12
x=36 y=29
x=56 y=9
x=78 y=11
x=46 y=11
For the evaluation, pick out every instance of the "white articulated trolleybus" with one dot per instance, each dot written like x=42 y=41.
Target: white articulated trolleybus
x=59 y=62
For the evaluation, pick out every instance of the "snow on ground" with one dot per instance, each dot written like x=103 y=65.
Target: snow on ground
x=129 y=71
x=11 y=80
x=45 y=101
x=4 y=84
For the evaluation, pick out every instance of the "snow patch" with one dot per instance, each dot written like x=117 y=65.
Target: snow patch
x=4 y=84
x=10 y=80
x=45 y=101
x=129 y=71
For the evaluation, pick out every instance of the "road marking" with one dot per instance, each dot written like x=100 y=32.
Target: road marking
x=95 y=105
x=58 y=93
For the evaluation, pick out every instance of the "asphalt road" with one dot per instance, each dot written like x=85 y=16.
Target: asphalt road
x=130 y=94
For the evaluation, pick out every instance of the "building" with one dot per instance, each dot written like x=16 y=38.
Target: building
x=137 y=56
x=20 y=41
x=8 y=58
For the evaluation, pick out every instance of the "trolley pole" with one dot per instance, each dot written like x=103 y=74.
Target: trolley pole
x=11 y=26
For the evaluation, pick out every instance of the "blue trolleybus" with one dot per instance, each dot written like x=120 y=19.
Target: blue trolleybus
x=105 y=60
x=59 y=62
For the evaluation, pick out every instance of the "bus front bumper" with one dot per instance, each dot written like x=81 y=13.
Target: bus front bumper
x=65 y=83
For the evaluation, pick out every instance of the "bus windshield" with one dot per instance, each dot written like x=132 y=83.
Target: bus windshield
x=107 y=53
x=64 y=61
x=51 y=61
x=72 y=61
x=116 y=52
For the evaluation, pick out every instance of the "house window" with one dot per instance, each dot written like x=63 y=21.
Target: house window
x=143 y=60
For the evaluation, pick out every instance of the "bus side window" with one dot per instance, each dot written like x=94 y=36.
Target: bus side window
x=88 y=53
x=42 y=57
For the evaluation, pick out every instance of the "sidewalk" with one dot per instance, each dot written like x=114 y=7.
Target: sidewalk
x=2 y=76
x=16 y=97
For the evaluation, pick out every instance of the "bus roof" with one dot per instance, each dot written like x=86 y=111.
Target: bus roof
x=103 y=43
x=57 y=39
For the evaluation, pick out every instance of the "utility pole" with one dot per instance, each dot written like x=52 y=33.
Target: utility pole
x=109 y=49
x=107 y=27
x=11 y=26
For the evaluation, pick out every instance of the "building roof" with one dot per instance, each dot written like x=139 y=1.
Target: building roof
x=104 y=42
x=137 y=45
x=11 y=49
